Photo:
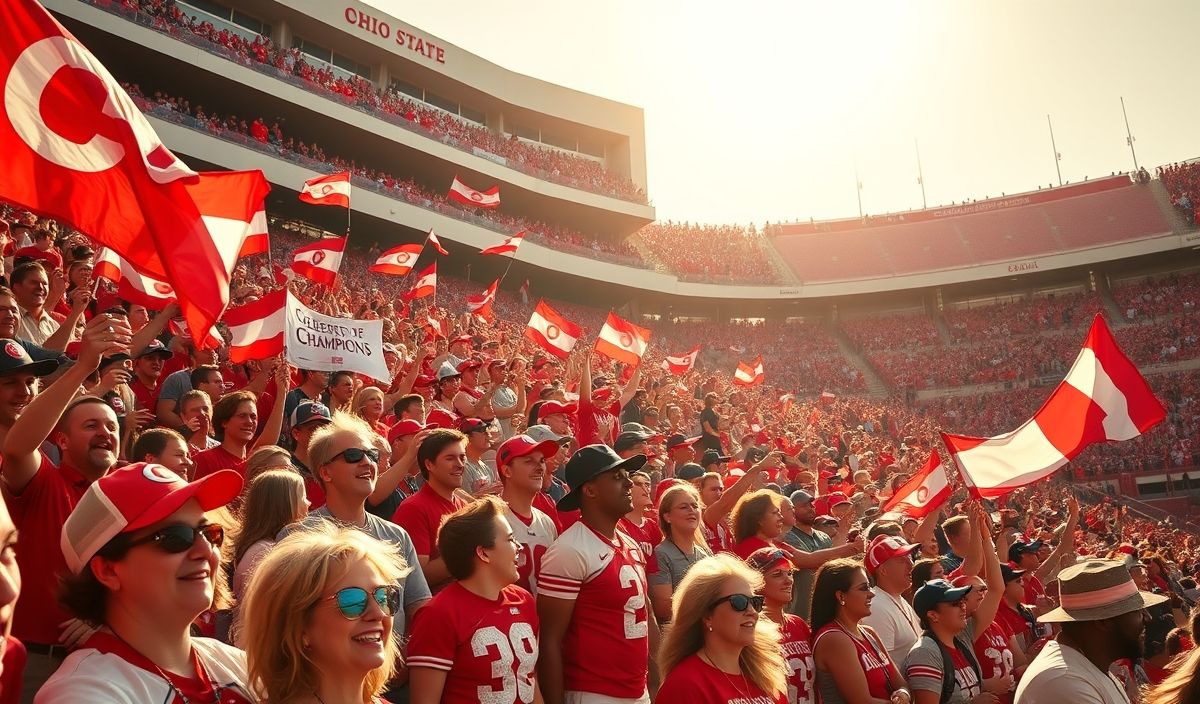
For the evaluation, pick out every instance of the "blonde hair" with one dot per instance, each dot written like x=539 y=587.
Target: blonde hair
x=291 y=581
x=360 y=399
x=666 y=503
x=749 y=512
x=320 y=445
x=266 y=458
x=1182 y=686
x=700 y=588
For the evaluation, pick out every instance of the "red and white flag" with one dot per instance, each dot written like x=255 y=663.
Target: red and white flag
x=132 y=285
x=327 y=190
x=924 y=492
x=551 y=331
x=320 y=260
x=622 y=341
x=827 y=397
x=425 y=285
x=508 y=247
x=683 y=363
x=437 y=244
x=178 y=326
x=256 y=329
x=749 y=374
x=433 y=327
x=466 y=195
x=232 y=206
x=77 y=149
x=1103 y=398
x=397 y=261
x=482 y=305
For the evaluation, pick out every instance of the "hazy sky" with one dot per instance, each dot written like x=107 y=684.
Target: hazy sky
x=760 y=111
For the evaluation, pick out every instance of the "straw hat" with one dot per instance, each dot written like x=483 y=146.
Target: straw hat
x=1096 y=590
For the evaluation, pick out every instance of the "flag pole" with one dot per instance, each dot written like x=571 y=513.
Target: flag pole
x=1054 y=148
x=858 y=191
x=1129 y=135
x=920 y=175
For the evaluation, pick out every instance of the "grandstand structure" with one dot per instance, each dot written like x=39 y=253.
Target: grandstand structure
x=939 y=307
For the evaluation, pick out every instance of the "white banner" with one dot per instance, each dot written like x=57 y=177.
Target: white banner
x=324 y=343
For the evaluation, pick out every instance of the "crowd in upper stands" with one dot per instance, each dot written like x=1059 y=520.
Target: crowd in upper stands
x=1183 y=185
x=398 y=108
x=710 y=253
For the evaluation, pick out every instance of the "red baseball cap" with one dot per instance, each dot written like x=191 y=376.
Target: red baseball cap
x=134 y=497
x=438 y=418
x=467 y=365
x=521 y=445
x=884 y=548
x=403 y=429
x=763 y=559
x=549 y=408
x=836 y=498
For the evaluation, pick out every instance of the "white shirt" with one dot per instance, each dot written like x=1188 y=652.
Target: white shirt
x=1061 y=674
x=895 y=622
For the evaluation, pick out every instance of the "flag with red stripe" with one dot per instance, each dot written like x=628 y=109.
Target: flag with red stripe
x=437 y=244
x=425 y=285
x=924 y=492
x=482 y=305
x=622 y=341
x=132 y=285
x=506 y=248
x=397 y=261
x=320 y=260
x=466 y=195
x=1103 y=398
x=749 y=374
x=327 y=190
x=681 y=364
x=232 y=206
x=551 y=331
x=256 y=329
x=178 y=326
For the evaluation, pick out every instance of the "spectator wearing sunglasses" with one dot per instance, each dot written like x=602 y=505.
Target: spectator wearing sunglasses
x=482 y=607
x=344 y=461
x=717 y=648
x=852 y=664
x=796 y=641
x=441 y=457
x=319 y=617
x=144 y=564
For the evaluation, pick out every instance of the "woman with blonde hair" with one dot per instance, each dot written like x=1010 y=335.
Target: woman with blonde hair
x=717 y=648
x=1182 y=686
x=683 y=545
x=274 y=500
x=317 y=619
x=265 y=459
x=368 y=405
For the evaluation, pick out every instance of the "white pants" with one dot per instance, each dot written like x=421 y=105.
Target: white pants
x=593 y=698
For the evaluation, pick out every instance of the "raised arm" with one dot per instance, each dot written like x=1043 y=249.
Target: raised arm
x=152 y=329
x=274 y=425
x=986 y=613
x=722 y=506
x=1066 y=544
x=631 y=386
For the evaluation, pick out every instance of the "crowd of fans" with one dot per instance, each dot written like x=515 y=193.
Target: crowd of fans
x=1026 y=316
x=1183 y=185
x=1155 y=298
x=388 y=104
x=710 y=253
x=877 y=332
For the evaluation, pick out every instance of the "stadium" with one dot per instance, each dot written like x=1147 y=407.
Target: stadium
x=874 y=332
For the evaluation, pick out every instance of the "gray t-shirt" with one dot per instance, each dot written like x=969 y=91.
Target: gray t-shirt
x=673 y=563
x=175 y=386
x=504 y=399
x=802 y=588
x=413 y=587
x=923 y=667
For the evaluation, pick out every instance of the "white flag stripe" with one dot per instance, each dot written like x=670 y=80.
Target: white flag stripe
x=562 y=340
x=254 y=330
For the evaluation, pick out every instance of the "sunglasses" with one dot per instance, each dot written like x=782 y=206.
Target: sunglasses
x=739 y=602
x=181 y=537
x=352 y=601
x=354 y=455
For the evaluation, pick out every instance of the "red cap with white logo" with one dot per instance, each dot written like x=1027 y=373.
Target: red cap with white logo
x=884 y=548
x=134 y=497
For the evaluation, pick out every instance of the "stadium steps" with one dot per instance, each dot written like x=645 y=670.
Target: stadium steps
x=876 y=388
x=943 y=329
x=1179 y=223
x=787 y=275
x=1116 y=316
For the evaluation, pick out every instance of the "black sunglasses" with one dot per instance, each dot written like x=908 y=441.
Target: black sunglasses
x=354 y=455
x=181 y=537
x=739 y=602
x=352 y=601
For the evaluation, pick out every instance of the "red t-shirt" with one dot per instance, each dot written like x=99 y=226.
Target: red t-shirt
x=694 y=681
x=145 y=396
x=994 y=656
x=215 y=459
x=647 y=536
x=747 y=547
x=718 y=537
x=39 y=513
x=607 y=644
x=421 y=515
x=1014 y=624
x=797 y=655
x=562 y=519
x=487 y=648
x=1033 y=588
x=588 y=417
x=872 y=657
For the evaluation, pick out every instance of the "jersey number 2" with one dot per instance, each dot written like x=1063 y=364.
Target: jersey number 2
x=633 y=627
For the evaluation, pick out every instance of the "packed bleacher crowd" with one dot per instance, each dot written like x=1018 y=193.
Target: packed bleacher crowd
x=1154 y=298
x=874 y=332
x=710 y=253
x=1027 y=316
x=251 y=532
x=395 y=107
x=1182 y=181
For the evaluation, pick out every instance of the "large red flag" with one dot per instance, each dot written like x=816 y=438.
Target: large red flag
x=1103 y=398
x=622 y=341
x=425 y=285
x=397 y=261
x=320 y=260
x=681 y=364
x=256 y=329
x=77 y=149
x=749 y=374
x=506 y=248
x=482 y=305
x=466 y=195
x=552 y=332
x=924 y=492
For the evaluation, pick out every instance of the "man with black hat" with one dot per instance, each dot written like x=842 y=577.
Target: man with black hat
x=305 y=420
x=714 y=461
x=598 y=634
x=680 y=451
x=1103 y=617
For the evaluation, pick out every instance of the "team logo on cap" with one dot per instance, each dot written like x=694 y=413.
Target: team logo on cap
x=12 y=350
x=159 y=473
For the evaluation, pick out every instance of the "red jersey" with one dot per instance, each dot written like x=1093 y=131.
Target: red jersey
x=215 y=459
x=589 y=416
x=39 y=512
x=694 y=681
x=798 y=659
x=562 y=519
x=1015 y=625
x=421 y=515
x=488 y=649
x=1033 y=588
x=536 y=534
x=607 y=643
x=145 y=396
x=872 y=657
x=994 y=656
x=647 y=536
x=718 y=537
x=746 y=548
